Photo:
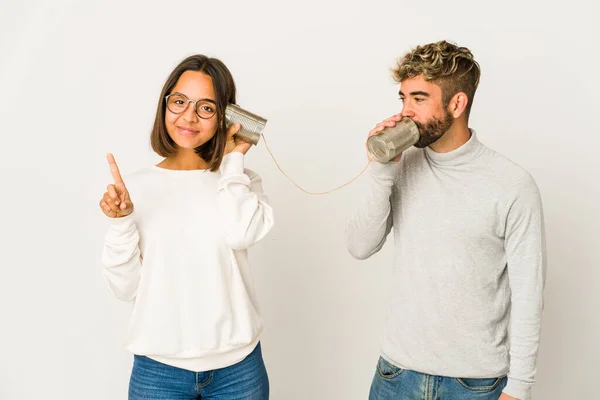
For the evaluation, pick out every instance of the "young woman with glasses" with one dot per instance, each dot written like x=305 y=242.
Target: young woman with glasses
x=180 y=255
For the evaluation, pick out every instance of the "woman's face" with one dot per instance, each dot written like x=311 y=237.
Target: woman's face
x=182 y=121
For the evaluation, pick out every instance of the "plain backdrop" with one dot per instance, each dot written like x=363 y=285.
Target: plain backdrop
x=79 y=79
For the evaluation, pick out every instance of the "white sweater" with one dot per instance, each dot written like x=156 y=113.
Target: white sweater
x=181 y=258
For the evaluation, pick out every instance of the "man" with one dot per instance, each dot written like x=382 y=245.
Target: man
x=469 y=267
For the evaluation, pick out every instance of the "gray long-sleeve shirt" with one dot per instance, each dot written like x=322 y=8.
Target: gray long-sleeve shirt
x=469 y=264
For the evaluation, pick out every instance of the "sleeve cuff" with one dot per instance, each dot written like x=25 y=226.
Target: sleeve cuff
x=387 y=170
x=518 y=389
x=121 y=224
x=232 y=164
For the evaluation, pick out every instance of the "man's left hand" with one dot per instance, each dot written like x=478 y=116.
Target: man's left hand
x=504 y=396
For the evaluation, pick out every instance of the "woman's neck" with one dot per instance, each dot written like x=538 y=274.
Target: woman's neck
x=184 y=160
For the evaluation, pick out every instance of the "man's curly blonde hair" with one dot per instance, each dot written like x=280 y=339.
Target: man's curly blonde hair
x=450 y=67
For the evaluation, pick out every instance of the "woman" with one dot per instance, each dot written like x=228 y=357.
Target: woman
x=180 y=253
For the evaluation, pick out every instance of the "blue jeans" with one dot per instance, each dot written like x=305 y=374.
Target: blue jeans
x=245 y=380
x=393 y=383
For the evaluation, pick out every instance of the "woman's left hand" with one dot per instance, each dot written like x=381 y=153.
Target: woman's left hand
x=234 y=143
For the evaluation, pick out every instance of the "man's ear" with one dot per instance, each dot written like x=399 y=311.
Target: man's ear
x=458 y=104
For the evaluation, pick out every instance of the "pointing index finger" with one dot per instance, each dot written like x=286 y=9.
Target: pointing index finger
x=114 y=170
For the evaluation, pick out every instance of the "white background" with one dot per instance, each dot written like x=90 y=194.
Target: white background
x=79 y=79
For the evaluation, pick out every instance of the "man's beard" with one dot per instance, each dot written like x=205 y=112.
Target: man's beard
x=432 y=130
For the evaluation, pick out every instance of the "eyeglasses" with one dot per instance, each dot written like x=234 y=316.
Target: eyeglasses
x=178 y=103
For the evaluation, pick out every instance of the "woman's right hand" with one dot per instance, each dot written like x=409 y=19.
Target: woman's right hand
x=116 y=202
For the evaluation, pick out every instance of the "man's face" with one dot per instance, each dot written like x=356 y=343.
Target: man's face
x=422 y=103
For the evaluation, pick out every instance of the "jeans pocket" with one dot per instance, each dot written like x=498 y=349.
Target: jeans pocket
x=387 y=370
x=480 y=384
